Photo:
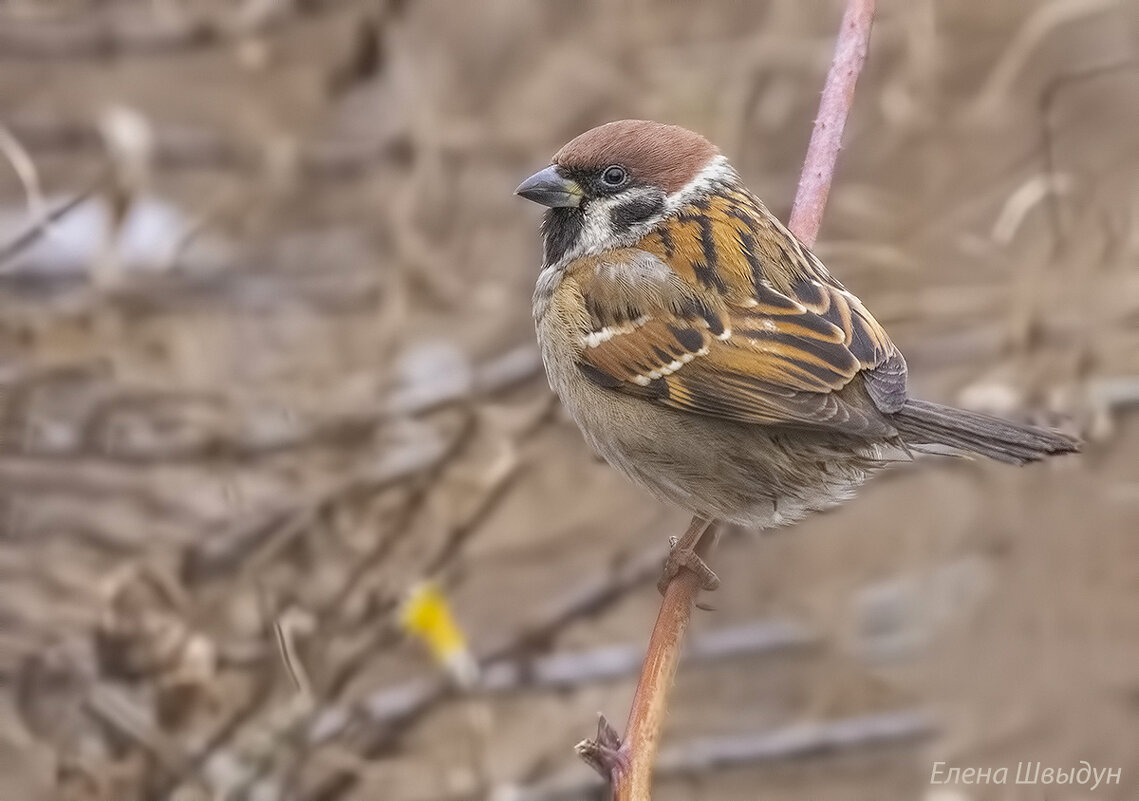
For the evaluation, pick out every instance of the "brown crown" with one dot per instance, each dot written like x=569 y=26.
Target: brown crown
x=662 y=155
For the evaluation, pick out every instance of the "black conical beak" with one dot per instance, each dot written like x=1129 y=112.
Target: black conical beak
x=550 y=189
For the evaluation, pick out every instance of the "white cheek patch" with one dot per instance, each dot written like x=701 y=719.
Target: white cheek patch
x=595 y=235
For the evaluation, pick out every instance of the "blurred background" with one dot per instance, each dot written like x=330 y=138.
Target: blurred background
x=267 y=367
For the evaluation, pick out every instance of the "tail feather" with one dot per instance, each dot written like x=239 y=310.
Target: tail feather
x=924 y=423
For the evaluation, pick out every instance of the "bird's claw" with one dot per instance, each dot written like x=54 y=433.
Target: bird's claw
x=687 y=559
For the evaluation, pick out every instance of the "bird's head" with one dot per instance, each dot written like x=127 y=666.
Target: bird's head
x=612 y=184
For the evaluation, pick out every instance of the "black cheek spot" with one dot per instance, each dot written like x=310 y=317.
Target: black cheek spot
x=625 y=215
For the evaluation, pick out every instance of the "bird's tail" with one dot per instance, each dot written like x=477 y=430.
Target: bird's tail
x=924 y=423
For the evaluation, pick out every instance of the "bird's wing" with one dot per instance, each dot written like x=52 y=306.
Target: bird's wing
x=696 y=318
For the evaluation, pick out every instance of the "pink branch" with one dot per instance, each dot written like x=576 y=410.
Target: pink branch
x=628 y=763
x=826 y=139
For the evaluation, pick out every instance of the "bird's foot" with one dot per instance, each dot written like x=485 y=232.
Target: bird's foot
x=683 y=556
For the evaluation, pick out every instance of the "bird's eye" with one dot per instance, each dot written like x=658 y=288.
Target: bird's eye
x=614 y=176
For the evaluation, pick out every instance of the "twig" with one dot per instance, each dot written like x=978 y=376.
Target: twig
x=793 y=742
x=272 y=530
x=500 y=373
x=117 y=710
x=1044 y=20
x=26 y=171
x=296 y=723
x=826 y=139
x=1059 y=182
x=17 y=154
x=271 y=734
x=390 y=716
x=563 y=671
x=285 y=628
x=629 y=765
x=513 y=673
x=42 y=224
x=395 y=707
x=796 y=741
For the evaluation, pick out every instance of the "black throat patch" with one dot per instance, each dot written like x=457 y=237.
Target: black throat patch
x=561 y=229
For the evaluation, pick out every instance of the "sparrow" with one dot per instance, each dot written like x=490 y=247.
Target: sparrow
x=707 y=354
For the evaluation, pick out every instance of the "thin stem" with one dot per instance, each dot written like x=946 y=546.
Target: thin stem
x=630 y=766
x=826 y=138
x=650 y=701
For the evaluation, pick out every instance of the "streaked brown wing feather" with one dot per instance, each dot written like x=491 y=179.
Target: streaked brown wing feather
x=735 y=337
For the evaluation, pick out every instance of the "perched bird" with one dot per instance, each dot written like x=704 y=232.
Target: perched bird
x=707 y=354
